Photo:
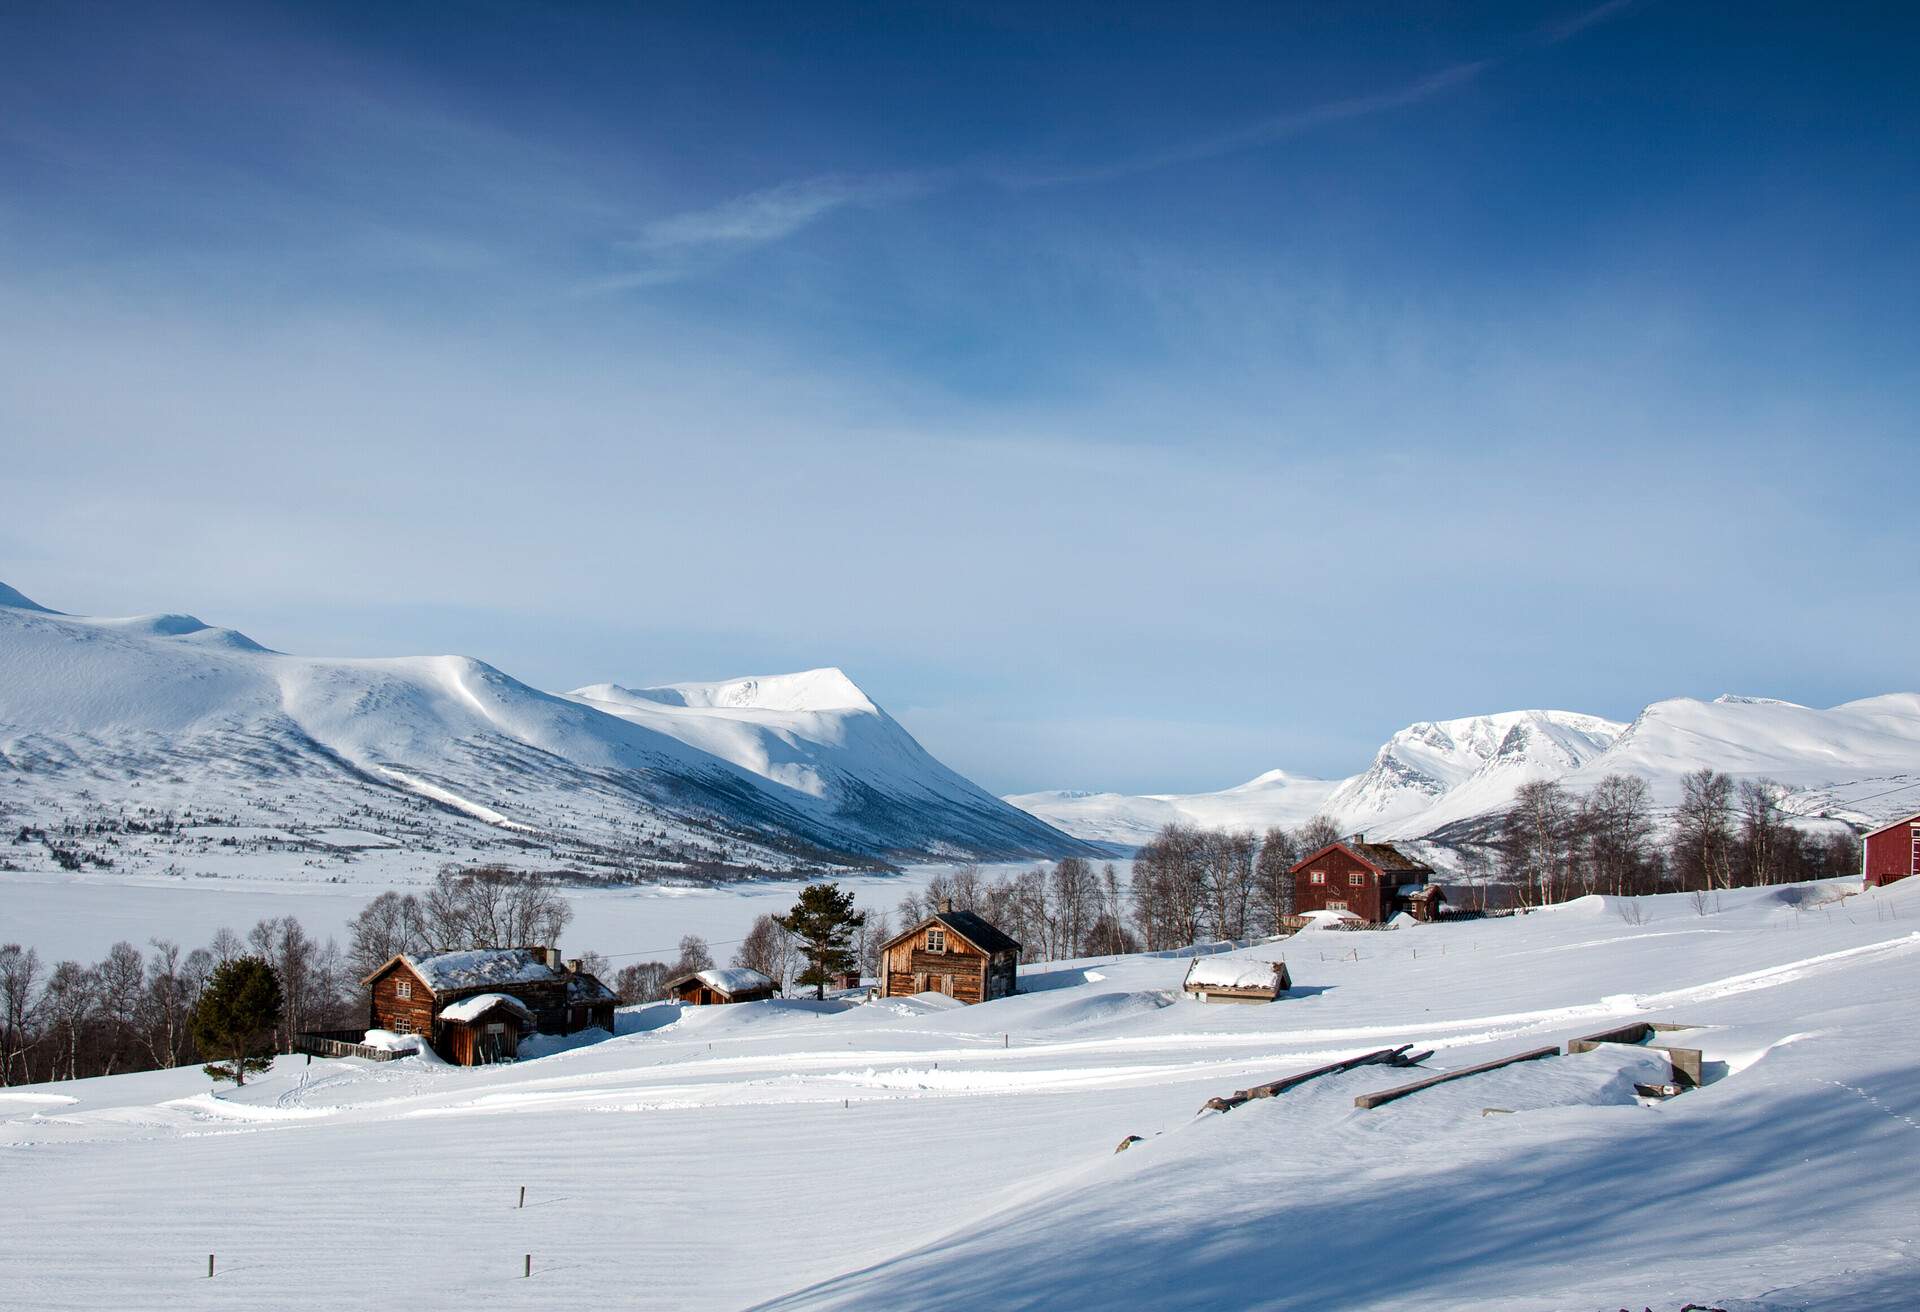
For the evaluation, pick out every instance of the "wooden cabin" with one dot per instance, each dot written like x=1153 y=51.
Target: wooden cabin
x=1891 y=852
x=1236 y=979
x=1374 y=881
x=719 y=985
x=952 y=952
x=484 y=1028
x=413 y=995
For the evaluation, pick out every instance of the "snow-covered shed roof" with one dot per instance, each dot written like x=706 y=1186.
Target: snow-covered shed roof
x=1232 y=973
x=468 y=1010
x=729 y=980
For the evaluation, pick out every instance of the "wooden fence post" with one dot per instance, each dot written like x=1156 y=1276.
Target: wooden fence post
x=523 y=1195
x=209 y=1266
x=528 y=1270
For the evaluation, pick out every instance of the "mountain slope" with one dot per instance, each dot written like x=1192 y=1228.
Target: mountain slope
x=1443 y=780
x=196 y=715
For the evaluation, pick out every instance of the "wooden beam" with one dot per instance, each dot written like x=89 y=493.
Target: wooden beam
x=1368 y=1100
x=1637 y=1032
x=1383 y=1056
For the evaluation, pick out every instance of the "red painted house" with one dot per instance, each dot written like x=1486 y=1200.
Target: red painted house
x=1374 y=881
x=1892 y=852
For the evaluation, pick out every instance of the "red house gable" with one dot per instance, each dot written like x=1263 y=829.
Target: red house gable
x=1891 y=852
x=1357 y=876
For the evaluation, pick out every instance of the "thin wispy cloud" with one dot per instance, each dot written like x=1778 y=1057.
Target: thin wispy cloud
x=678 y=245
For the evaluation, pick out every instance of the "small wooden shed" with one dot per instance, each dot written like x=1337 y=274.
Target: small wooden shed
x=484 y=1028
x=952 y=952
x=719 y=985
x=1236 y=979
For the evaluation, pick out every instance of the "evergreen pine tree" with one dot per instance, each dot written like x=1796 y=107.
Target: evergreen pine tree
x=823 y=920
x=236 y=1016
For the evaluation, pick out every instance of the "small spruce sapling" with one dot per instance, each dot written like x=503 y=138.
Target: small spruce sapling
x=823 y=921
x=235 y=1018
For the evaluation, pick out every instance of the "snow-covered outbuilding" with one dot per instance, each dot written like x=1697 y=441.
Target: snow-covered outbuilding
x=1891 y=852
x=1236 y=979
x=475 y=1006
x=719 y=985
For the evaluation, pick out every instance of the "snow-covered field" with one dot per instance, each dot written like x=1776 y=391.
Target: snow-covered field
x=919 y=1154
x=81 y=916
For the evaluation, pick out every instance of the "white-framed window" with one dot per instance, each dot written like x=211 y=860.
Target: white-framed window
x=403 y=988
x=403 y=1024
x=1318 y=876
x=936 y=939
x=1357 y=878
x=1336 y=905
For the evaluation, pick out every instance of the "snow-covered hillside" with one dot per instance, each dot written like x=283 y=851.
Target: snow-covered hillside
x=1858 y=762
x=100 y=718
x=775 y=1155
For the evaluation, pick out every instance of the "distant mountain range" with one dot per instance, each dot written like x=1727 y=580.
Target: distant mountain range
x=102 y=717
x=1448 y=781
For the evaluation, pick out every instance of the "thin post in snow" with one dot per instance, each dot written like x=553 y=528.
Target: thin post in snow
x=527 y=1270
x=209 y=1266
x=523 y=1195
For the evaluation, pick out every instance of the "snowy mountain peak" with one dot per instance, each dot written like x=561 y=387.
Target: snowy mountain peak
x=766 y=773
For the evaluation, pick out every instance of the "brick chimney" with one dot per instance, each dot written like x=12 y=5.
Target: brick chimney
x=946 y=905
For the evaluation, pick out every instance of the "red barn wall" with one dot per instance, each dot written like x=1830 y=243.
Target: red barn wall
x=1348 y=880
x=1890 y=853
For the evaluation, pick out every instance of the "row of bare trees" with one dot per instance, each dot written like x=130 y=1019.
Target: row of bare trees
x=131 y=1009
x=1555 y=844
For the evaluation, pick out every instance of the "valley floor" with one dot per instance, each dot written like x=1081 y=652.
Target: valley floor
x=912 y=1153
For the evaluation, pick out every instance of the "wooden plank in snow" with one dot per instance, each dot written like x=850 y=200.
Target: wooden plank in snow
x=1369 y=1100
x=1384 y=1056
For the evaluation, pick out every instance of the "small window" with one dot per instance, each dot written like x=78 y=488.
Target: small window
x=1319 y=876
x=1359 y=878
x=403 y=988
x=936 y=940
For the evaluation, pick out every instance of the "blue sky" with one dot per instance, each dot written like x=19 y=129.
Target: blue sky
x=1130 y=397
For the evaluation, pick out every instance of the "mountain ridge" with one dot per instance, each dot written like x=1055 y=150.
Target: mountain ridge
x=781 y=771
x=1437 y=781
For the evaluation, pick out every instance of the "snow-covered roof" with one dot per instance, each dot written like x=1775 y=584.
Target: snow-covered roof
x=589 y=988
x=726 y=979
x=448 y=972
x=468 y=1010
x=1231 y=973
x=1422 y=890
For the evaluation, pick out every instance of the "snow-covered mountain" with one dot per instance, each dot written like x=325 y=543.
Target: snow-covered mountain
x=790 y=771
x=1446 y=779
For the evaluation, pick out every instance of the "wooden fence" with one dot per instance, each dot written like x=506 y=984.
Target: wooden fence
x=342 y=1043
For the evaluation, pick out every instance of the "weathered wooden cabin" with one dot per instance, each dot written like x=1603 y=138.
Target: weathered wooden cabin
x=952 y=952
x=1236 y=979
x=414 y=995
x=1374 y=881
x=484 y=1028
x=1891 y=852
x=719 y=985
